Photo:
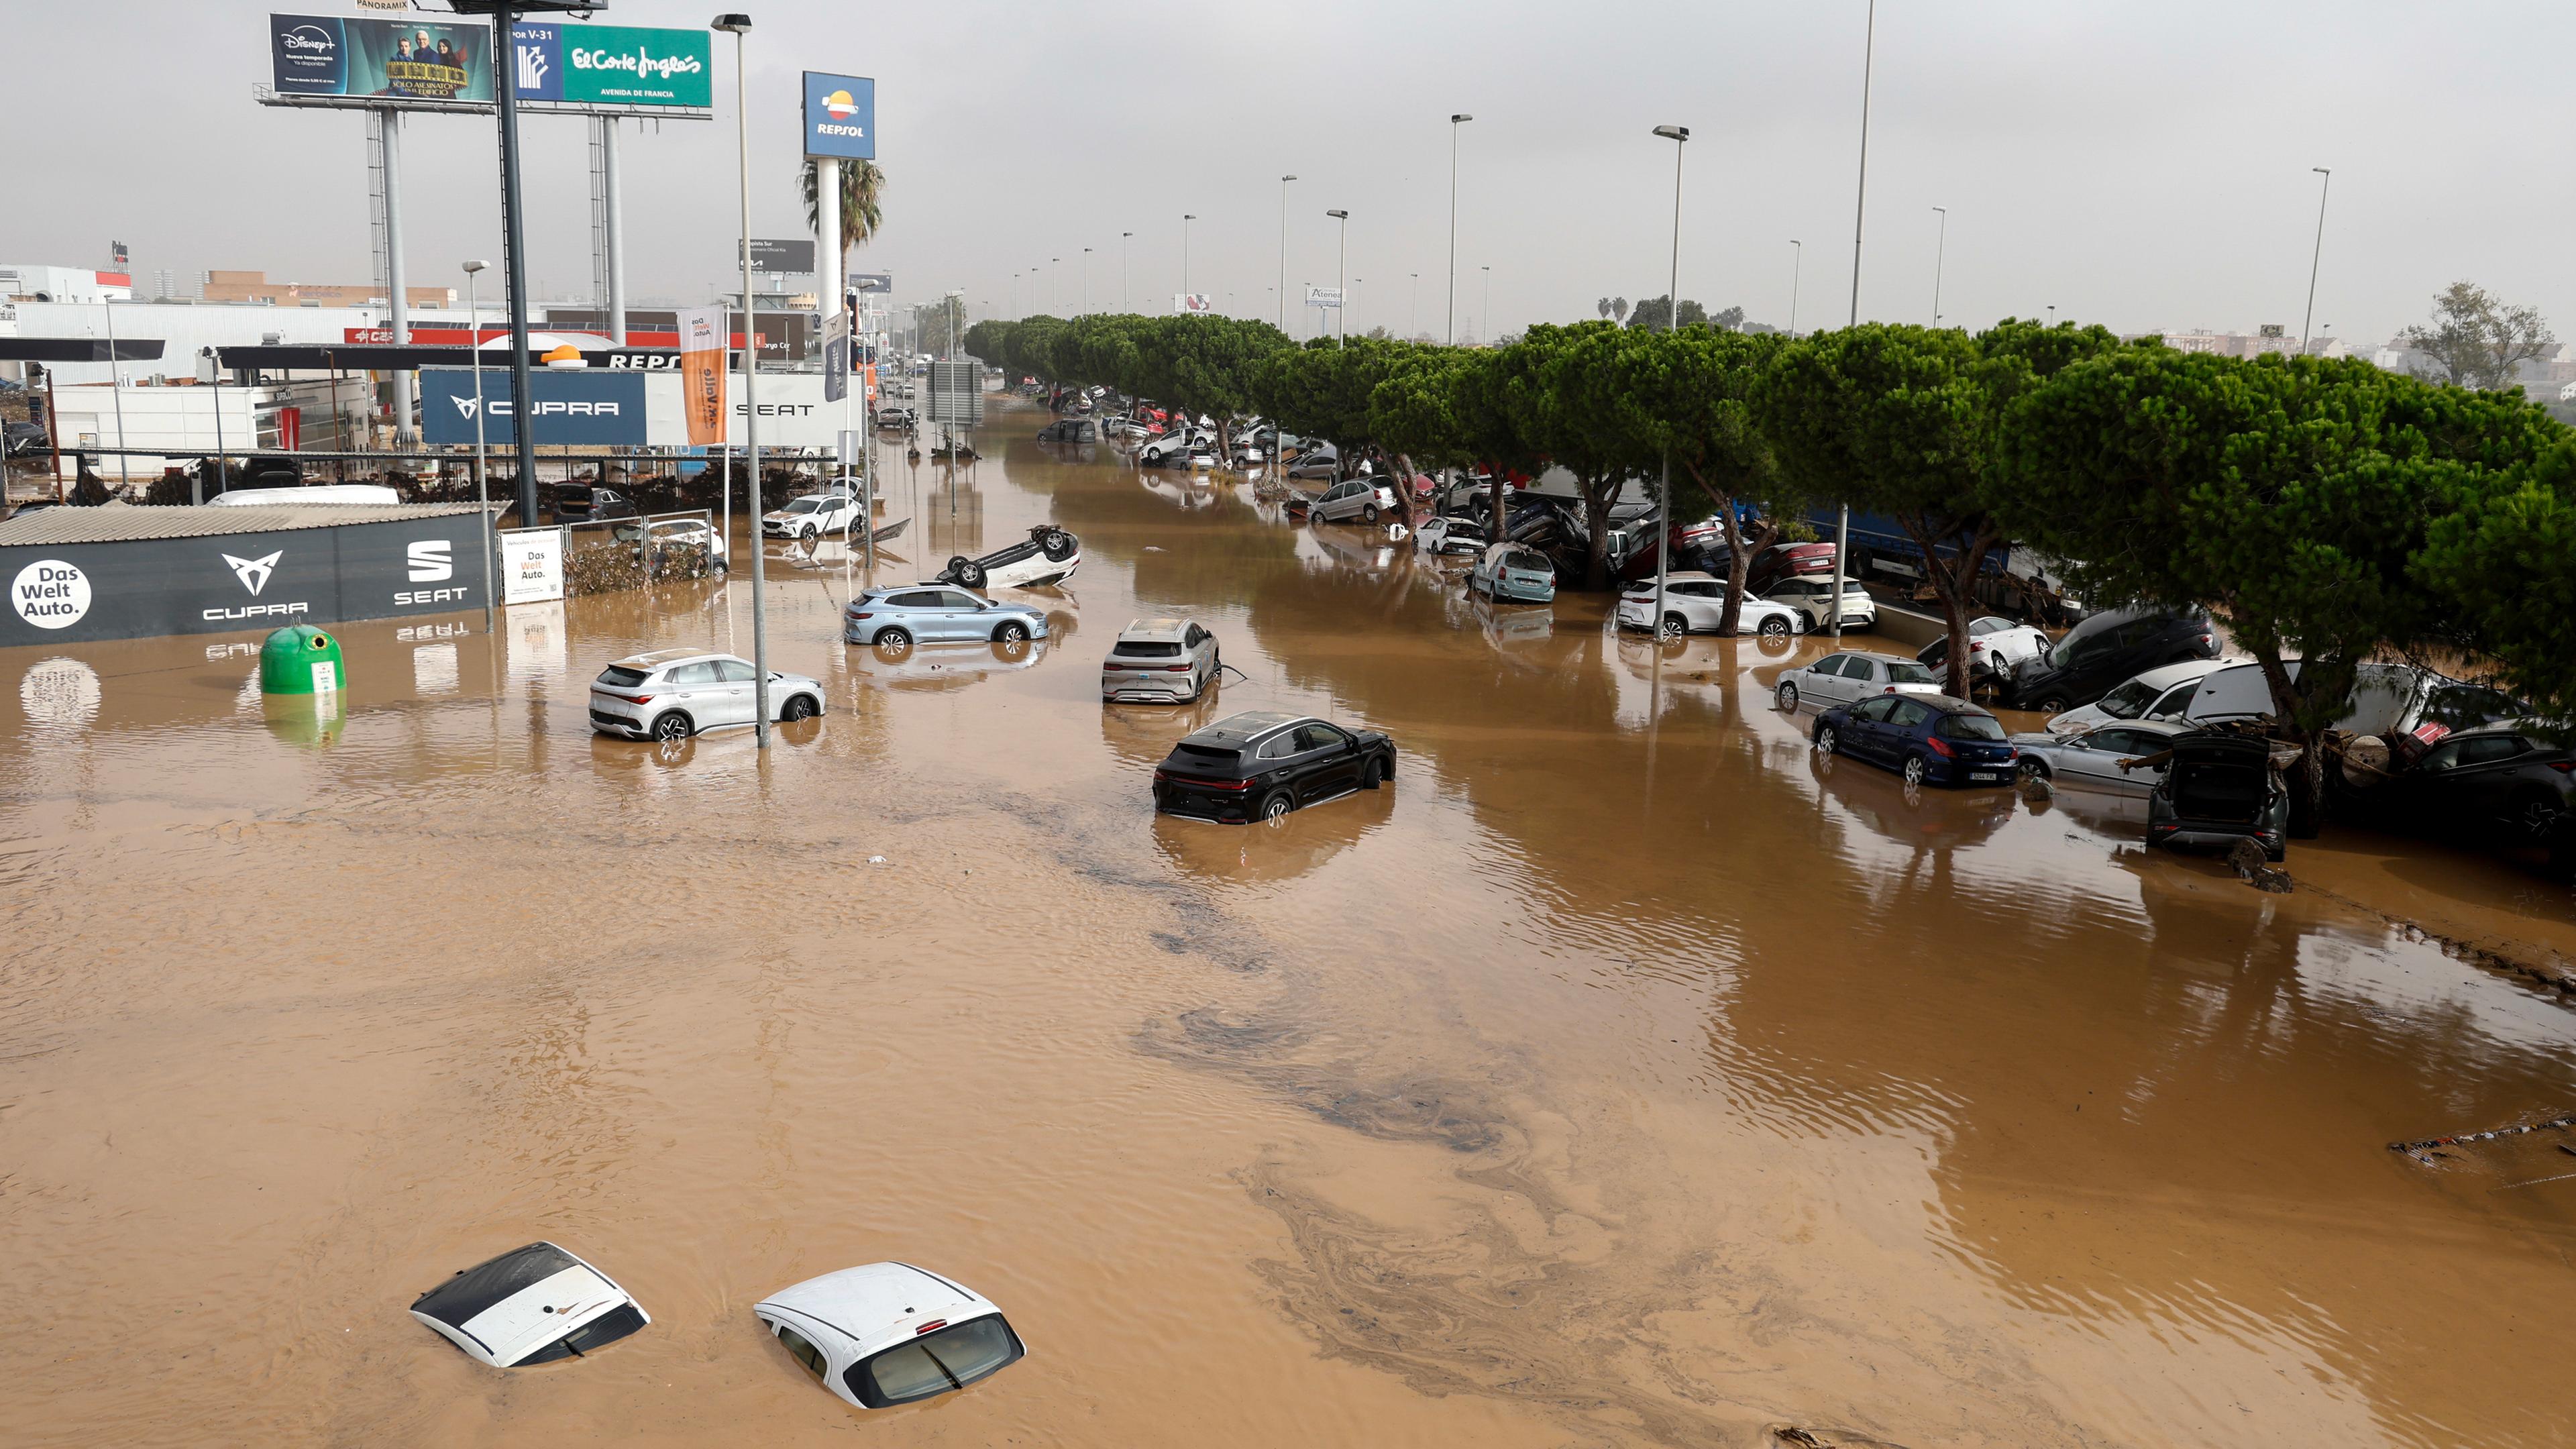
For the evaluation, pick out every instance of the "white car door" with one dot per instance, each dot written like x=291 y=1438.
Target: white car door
x=736 y=679
x=1826 y=683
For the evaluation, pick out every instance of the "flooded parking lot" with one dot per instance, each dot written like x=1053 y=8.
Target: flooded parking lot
x=1627 y=1073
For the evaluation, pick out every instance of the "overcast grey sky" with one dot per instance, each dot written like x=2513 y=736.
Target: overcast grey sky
x=2144 y=165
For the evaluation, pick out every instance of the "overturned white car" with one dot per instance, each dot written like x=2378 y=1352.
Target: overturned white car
x=1048 y=556
x=530 y=1305
x=890 y=1333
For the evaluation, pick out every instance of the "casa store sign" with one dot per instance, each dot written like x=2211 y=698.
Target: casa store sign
x=148 y=588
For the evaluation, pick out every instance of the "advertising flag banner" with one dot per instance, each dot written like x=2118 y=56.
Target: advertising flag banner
x=386 y=62
x=840 y=116
x=702 y=374
x=1193 y=304
x=836 y=355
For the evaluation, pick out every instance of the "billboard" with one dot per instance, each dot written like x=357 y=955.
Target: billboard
x=577 y=409
x=840 y=116
x=786 y=255
x=384 y=62
x=611 y=67
x=1193 y=304
x=1328 y=297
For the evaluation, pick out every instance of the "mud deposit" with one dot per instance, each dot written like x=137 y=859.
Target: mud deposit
x=1625 y=1074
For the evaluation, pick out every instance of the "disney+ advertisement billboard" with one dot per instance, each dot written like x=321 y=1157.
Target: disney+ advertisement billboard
x=391 y=61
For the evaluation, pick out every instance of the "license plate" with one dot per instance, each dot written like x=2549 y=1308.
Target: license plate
x=1984 y=775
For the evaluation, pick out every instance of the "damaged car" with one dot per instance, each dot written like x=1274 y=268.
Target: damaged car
x=529 y=1306
x=1049 y=555
x=890 y=1333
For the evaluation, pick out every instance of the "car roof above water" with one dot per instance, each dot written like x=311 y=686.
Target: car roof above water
x=1164 y=628
x=660 y=657
x=1244 y=728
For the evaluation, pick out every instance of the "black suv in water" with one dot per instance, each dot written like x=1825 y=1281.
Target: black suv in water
x=1260 y=766
x=2105 y=651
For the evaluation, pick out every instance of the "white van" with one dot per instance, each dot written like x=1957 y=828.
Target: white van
x=2385 y=698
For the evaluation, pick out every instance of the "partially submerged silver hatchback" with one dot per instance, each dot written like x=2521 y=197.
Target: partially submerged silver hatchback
x=529 y=1306
x=1160 y=661
x=890 y=1333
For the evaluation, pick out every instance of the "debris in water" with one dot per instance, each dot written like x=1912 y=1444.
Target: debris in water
x=2247 y=860
x=876 y=860
x=2036 y=789
x=2492 y=1133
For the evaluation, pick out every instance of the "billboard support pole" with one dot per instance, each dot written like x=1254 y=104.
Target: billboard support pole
x=505 y=84
x=738 y=24
x=608 y=126
x=398 y=311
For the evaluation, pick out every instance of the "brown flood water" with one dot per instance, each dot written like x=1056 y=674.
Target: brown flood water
x=1623 y=1075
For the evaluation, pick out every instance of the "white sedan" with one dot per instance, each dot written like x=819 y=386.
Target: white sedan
x=1843 y=678
x=890 y=1333
x=1694 y=603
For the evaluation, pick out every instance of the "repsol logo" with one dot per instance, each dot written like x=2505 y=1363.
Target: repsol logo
x=826 y=128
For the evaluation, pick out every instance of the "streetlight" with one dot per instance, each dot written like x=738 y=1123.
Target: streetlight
x=2317 y=256
x=1086 y=281
x=1123 y=304
x=1860 y=210
x=1413 y=309
x=1341 y=277
x=1939 y=249
x=1283 y=251
x=1454 y=123
x=1487 y=313
x=1679 y=136
x=739 y=25
x=1797 y=261
x=1186 y=219
x=1056 y=261
x=482 y=496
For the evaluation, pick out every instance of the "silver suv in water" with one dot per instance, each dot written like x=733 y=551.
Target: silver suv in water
x=1159 y=661
x=671 y=694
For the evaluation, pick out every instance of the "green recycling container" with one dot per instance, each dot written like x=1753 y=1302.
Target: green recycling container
x=301 y=659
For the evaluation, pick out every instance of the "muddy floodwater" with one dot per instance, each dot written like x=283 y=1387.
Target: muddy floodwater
x=1624 y=1074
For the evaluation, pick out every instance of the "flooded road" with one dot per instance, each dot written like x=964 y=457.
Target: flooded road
x=1625 y=1074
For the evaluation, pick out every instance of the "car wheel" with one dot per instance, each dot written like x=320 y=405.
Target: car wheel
x=1786 y=697
x=800 y=706
x=1369 y=775
x=894 y=638
x=673 y=725
x=1012 y=631
x=1276 y=808
x=1775 y=627
x=1369 y=514
x=810 y=534
x=1915 y=769
x=2049 y=704
x=2536 y=816
x=971 y=575
x=1675 y=626
x=1825 y=739
x=2030 y=770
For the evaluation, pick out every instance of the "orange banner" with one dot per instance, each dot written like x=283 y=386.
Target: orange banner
x=702 y=374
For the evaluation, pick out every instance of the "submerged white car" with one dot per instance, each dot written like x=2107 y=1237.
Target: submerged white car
x=1695 y=601
x=1159 y=661
x=812 y=516
x=531 y=1305
x=890 y=1333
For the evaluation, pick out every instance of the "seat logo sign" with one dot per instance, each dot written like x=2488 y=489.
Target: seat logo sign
x=431 y=561
x=50 y=594
x=254 y=572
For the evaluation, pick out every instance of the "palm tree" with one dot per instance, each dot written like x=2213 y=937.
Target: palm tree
x=1619 y=309
x=1604 y=307
x=861 y=213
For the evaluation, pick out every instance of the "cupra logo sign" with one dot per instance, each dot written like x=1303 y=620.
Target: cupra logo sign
x=254 y=572
x=840 y=105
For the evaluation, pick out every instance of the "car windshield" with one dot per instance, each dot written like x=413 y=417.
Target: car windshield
x=1149 y=648
x=1971 y=727
x=621 y=677
x=804 y=505
x=934 y=1363
x=2129 y=700
x=1901 y=671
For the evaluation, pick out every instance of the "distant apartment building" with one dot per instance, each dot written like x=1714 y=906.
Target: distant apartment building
x=2271 y=337
x=222 y=286
x=29 y=283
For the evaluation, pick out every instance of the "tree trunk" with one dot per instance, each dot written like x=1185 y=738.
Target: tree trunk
x=2307 y=778
x=1502 y=503
x=1952 y=581
x=1597 y=498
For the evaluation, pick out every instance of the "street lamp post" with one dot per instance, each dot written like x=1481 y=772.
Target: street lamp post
x=1485 y=314
x=1341 y=278
x=1413 y=309
x=1283 y=251
x=1797 y=262
x=1454 y=123
x=482 y=494
x=1186 y=219
x=1086 y=281
x=739 y=25
x=1679 y=136
x=1124 y=305
x=1940 y=249
x=2317 y=256
x=1860 y=210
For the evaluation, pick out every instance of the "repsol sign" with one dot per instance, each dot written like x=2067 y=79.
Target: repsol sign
x=143 y=588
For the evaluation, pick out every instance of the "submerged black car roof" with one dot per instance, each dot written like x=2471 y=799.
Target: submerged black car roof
x=1244 y=728
x=457 y=1301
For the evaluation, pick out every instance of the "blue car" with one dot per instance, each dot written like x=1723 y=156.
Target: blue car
x=1513 y=573
x=1932 y=739
x=909 y=614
